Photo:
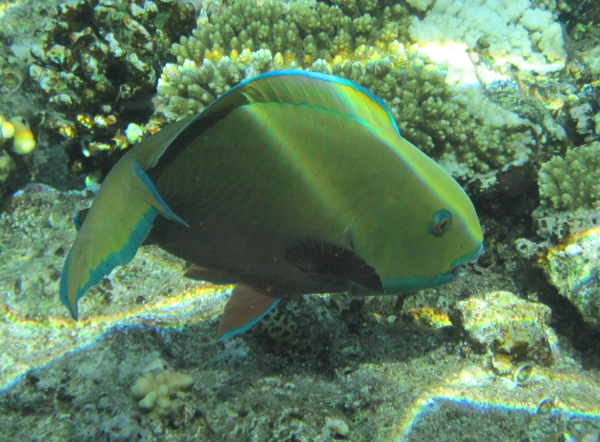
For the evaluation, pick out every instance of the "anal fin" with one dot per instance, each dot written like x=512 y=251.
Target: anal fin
x=245 y=307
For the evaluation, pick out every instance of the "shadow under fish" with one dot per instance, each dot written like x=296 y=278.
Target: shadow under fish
x=290 y=183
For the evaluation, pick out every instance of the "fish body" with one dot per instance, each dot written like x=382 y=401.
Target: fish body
x=290 y=183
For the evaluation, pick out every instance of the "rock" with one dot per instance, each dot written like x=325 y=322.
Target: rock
x=503 y=324
x=573 y=268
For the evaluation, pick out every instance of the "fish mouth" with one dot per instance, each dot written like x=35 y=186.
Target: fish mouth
x=468 y=258
x=475 y=254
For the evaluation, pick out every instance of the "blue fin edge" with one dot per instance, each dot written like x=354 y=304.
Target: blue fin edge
x=164 y=209
x=126 y=254
x=249 y=325
x=121 y=257
x=319 y=76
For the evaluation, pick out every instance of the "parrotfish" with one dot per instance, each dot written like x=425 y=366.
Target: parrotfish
x=290 y=183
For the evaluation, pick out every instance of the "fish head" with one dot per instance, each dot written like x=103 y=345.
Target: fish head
x=435 y=229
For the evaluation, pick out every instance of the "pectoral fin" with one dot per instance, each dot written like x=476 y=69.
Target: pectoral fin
x=119 y=220
x=313 y=255
x=245 y=307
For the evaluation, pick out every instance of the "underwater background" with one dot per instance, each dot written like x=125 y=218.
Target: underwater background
x=504 y=95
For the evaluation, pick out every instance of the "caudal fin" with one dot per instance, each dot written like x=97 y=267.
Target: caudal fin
x=117 y=223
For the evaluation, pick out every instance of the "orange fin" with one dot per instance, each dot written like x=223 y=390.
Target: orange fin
x=203 y=274
x=245 y=307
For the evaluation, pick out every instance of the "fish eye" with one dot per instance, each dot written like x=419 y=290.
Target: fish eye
x=440 y=222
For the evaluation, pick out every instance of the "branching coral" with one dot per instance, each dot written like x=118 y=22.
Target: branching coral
x=510 y=31
x=572 y=182
x=362 y=41
x=158 y=389
x=304 y=31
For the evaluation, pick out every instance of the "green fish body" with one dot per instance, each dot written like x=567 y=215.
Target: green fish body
x=290 y=183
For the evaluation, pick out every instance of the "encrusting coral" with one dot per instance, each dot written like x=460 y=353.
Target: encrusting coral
x=366 y=42
x=573 y=268
x=158 y=389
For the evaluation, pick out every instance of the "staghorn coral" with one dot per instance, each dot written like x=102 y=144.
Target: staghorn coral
x=98 y=60
x=462 y=129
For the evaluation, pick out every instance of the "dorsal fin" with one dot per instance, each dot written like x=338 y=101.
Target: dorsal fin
x=330 y=93
x=314 y=255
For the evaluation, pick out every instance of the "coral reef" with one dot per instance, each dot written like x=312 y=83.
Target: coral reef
x=502 y=324
x=158 y=389
x=36 y=228
x=510 y=32
x=407 y=384
x=573 y=267
x=303 y=31
x=573 y=182
x=466 y=132
x=239 y=41
x=320 y=368
x=349 y=376
x=98 y=65
x=569 y=193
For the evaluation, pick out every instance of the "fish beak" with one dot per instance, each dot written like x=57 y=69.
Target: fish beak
x=478 y=252
x=472 y=259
